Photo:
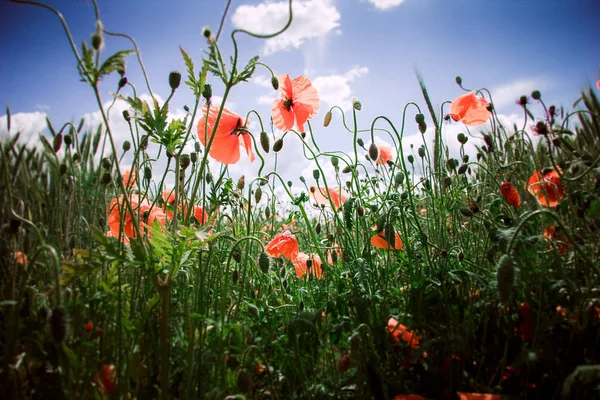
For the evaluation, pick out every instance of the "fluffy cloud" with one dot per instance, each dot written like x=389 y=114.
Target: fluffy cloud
x=335 y=90
x=28 y=125
x=384 y=5
x=312 y=19
x=509 y=93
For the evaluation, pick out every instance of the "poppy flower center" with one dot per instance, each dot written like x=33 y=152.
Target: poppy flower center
x=288 y=103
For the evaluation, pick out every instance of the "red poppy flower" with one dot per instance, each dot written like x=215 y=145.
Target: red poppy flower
x=510 y=194
x=385 y=154
x=200 y=214
x=300 y=263
x=526 y=323
x=379 y=241
x=88 y=327
x=129 y=177
x=229 y=135
x=563 y=243
x=145 y=213
x=547 y=188
x=399 y=331
x=106 y=379
x=322 y=196
x=470 y=109
x=21 y=258
x=478 y=396
x=283 y=244
x=299 y=101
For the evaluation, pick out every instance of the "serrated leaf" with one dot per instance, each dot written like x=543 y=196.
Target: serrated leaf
x=113 y=63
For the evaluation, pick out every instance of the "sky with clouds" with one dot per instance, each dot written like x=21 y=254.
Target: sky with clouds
x=370 y=49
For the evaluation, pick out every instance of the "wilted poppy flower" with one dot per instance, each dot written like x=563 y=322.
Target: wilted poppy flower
x=21 y=258
x=470 y=109
x=299 y=101
x=229 y=135
x=385 y=154
x=525 y=322
x=379 y=241
x=399 y=331
x=283 y=244
x=547 y=188
x=322 y=196
x=563 y=243
x=302 y=267
x=510 y=194
x=478 y=396
x=145 y=213
x=129 y=177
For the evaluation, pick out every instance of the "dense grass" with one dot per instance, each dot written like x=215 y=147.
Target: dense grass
x=483 y=296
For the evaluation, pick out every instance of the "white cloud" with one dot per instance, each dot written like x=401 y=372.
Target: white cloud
x=506 y=94
x=263 y=81
x=384 y=5
x=335 y=90
x=28 y=125
x=312 y=19
x=265 y=99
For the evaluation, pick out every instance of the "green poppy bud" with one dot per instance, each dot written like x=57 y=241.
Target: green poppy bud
x=327 y=119
x=265 y=143
x=207 y=91
x=462 y=138
x=126 y=145
x=275 y=82
x=316 y=174
x=419 y=118
x=185 y=161
x=174 y=79
x=373 y=152
x=278 y=145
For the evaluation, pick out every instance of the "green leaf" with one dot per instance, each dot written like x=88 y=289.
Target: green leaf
x=113 y=63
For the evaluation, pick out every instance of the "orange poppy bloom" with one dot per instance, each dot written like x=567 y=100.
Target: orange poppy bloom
x=129 y=177
x=322 y=196
x=399 y=331
x=114 y=216
x=379 y=241
x=478 y=396
x=385 y=154
x=88 y=327
x=547 y=188
x=470 y=109
x=563 y=243
x=229 y=135
x=510 y=194
x=283 y=244
x=299 y=101
x=408 y=397
x=300 y=265
x=200 y=214
x=21 y=258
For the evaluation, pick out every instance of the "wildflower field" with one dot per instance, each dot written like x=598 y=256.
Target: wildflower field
x=393 y=272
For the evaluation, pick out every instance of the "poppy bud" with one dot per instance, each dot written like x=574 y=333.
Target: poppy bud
x=144 y=142
x=452 y=163
x=318 y=228
x=343 y=363
x=244 y=380
x=257 y=195
x=278 y=145
x=360 y=142
x=235 y=275
x=207 y=91
x=126 y=115
x=466 y=211
x=268 y=212
x=63 y=169
x=264 y=141
x=264 y=262
x=57 y=142
x=126 y=145
x=422 y=127
x=289 y=183
x=458 y=80
x=302 y=179
x=68 y=139
x=197 y=147
x=241 y=183
x=419 y=118
x=465 y=158
x=461 y=256
x=462 y=138
x=356 y=104
x=75 y=157
x=122 y=82
x=174 y=79
x=335 y=161
x=421 y=151
x=347 y=169
x=236 y=254
x=510 y=194
x=206 y=32
x=536 y=95
x=327 y=119
x=59 y=324
x=106 y=178
x=398 y=179
x=462 y=169
x=194 y=157
x=373 y=152
x=185 y=161
x=505 y=276
x=410 y=158
x=275 y=82
x=360 y=211
x=96 y=41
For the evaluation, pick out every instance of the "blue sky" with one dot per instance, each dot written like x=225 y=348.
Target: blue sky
x=364 y=48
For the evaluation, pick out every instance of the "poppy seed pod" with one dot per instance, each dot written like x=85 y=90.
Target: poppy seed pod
x=410 y=158
x=126 y=145
x=335 y=161
x=174 y=79
x=194 y=157
x=289 y=183
x=185 y=161
x=106 y=164
x=106 y=178
x=419 y=118
x=373 y=152
x=316 y=174
x=536 y=95
x=422 y=127
x=206 y=32
x=421 y=151
x=265 y=143
x=399 y=178
x=523 y=101
x=278 y=145
x=275 y=82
